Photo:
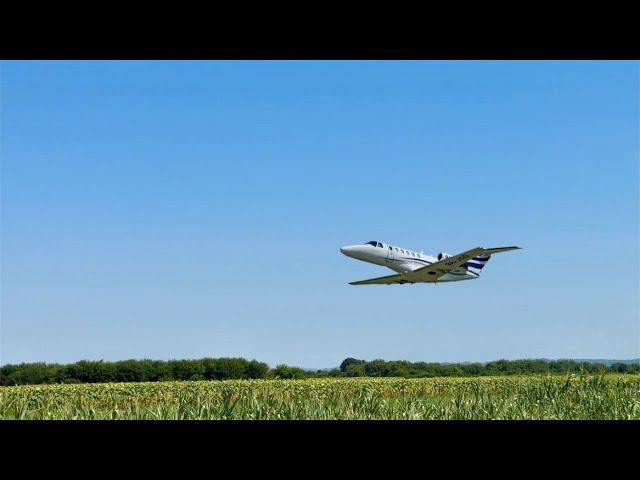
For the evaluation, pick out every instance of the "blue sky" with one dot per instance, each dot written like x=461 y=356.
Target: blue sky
x=189 y=209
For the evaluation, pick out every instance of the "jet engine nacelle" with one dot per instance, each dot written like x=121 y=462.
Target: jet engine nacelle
x=442 y=255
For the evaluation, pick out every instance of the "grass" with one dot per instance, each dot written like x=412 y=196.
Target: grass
x=607 y=396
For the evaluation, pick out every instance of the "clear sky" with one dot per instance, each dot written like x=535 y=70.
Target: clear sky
x=190 y=209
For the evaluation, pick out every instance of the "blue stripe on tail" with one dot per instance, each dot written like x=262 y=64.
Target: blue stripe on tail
x=477 y=263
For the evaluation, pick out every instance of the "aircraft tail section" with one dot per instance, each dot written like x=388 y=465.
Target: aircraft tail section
x=476 y=264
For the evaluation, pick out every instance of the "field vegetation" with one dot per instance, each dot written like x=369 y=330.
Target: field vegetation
x=583 y=396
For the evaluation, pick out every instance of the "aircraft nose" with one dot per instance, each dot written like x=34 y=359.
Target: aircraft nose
x=346 y=250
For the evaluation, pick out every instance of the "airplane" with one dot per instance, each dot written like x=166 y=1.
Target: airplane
x=414 y=267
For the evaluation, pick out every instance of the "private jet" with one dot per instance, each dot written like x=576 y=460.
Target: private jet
x=417 y=267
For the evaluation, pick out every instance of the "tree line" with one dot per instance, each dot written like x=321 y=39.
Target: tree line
x=380 y=368
x=86 y=371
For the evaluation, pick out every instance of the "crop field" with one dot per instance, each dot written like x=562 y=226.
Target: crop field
x=608 y=396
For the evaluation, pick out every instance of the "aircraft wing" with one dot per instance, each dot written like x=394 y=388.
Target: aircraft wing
x=388 y=280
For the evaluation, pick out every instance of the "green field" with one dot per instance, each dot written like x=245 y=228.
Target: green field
x=608 y=396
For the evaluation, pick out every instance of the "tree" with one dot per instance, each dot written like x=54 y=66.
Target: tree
x=228 y=368
x=31 y=373
x=375 y=368
x=350 y=361
x=355 y=370
x=255 y=369
x=287 y=372
x=87 y=371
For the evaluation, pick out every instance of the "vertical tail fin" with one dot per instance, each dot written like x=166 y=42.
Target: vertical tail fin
x=476 y=264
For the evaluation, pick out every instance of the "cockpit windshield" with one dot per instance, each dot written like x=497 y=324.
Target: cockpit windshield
x=374 y=243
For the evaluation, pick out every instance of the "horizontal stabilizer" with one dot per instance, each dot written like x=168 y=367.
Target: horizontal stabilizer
x=490 y=251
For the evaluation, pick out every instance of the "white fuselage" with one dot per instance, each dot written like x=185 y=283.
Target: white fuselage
x=402 y=260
